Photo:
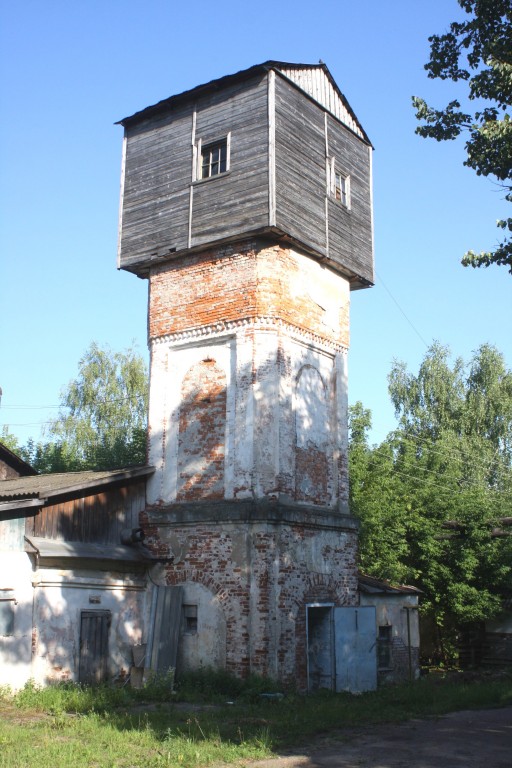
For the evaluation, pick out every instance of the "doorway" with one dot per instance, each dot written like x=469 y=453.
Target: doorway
x=93 y=662
x=320 y=646
x=341 y=648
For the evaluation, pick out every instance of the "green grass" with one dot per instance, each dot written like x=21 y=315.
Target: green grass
x=66 y=725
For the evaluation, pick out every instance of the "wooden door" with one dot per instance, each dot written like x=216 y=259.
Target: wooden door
x=94 y=630
x=166 y=628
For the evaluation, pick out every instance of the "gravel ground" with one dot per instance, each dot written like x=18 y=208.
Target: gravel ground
x=472 y=739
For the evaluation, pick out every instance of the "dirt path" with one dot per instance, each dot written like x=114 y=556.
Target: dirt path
x=473 y=739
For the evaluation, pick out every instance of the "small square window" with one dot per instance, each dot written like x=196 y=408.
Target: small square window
x=189 y=619
x=214 y=159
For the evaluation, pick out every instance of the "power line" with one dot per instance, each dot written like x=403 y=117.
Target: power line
x=430 y=441
x=418 y=334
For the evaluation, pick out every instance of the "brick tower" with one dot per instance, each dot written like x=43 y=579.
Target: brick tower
x=246 y=203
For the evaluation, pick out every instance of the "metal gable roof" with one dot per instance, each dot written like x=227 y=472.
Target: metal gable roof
x=313 y=79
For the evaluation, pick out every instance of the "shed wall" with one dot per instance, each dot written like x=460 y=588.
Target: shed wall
x=98 y=518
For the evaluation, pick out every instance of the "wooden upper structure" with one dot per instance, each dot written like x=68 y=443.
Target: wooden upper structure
x=273 y=151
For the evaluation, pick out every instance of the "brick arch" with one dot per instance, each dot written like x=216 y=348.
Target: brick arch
x=312 y=437
x=202 y=432
x=235 y=609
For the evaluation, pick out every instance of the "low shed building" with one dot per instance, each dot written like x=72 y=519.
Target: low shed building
x=397 y=628
x=75 y=597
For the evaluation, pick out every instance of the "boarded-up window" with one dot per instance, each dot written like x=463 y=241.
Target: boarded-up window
x=202 y=433
x=312 y=438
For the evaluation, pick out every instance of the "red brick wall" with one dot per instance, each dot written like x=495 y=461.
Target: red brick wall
x=201 y=444
x=230 y=284
x=262 y=577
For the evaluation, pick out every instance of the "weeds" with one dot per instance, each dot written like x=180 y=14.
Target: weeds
x=111 y=727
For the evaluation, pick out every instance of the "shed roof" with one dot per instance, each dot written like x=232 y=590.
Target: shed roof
x=51 y=549
x=372 y=586
x=14 y=461
x=65 y=483
x=313 y=79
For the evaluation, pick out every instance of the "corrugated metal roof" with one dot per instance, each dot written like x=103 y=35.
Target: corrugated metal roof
x=314 y=79
x=47 y=486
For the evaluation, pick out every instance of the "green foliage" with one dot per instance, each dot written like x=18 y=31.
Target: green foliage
x=479 y=52
x=434 y=497
x=9 y=440
x=102 y=420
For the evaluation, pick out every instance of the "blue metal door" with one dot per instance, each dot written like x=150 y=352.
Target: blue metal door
x=355 y=644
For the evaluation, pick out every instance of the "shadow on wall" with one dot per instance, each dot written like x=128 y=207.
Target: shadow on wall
x=206 y=426
x=70 y=632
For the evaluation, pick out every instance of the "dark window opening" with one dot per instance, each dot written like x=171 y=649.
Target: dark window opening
x=7 y=616
x=384 y=647
x=189 y=615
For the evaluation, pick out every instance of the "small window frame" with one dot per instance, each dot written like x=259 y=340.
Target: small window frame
x=338 y=186
x=224 y=164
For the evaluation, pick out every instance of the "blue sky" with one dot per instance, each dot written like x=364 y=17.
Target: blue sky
x=69 y=70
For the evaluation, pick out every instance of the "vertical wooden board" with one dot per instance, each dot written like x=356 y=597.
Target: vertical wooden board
x=12 y=533
x=300 y=167
x=350 y=230
x=166 y=628
x=94 y=636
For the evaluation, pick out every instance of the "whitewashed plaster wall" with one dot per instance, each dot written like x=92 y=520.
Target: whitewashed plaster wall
x=283 y=389
x=392 y=611
x=205 y=647
x=59 y=598
x=16 y=597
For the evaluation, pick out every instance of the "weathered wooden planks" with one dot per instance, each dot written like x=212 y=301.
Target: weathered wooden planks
x=283 y=128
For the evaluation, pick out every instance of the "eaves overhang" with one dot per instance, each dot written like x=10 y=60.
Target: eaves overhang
x=18 y=508
x=284 y=69
x=371 y=586
x=47 y=488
